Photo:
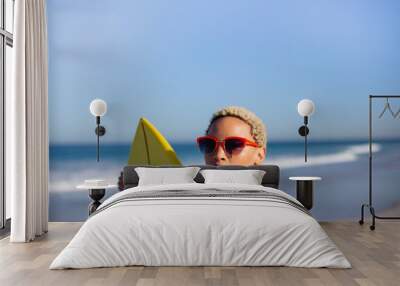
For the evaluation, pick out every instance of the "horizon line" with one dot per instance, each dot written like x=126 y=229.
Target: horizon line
x=316 y=141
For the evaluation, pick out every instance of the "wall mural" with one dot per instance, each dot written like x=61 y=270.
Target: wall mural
x=195 y=82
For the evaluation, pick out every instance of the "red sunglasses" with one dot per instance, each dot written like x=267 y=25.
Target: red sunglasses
x=231 y=145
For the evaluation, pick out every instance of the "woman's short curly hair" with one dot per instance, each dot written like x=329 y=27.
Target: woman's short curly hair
x=258 y=129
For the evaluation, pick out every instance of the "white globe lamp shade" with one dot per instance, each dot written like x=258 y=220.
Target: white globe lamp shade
x=305 y=107
x=98 y=107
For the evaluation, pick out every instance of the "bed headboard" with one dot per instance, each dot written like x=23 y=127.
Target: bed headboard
x=270 y=179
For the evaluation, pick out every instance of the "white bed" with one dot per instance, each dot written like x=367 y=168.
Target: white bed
x=185 y=230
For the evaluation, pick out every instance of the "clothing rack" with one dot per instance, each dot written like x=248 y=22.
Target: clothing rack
x=369 y=205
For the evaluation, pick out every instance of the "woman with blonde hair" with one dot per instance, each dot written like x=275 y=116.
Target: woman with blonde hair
x=234 y=136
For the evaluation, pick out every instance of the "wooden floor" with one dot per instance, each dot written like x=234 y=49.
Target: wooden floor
x=375 y=257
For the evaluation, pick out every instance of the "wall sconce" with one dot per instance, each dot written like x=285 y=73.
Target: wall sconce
x=305 y=108
x=98 y=108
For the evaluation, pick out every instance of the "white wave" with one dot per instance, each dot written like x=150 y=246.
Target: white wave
x=65 y=181
x=350 y=154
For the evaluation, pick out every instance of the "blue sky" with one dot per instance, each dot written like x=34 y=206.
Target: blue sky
x=176 y=62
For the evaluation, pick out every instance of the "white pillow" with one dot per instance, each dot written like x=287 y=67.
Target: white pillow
x=250 y=177
x=161 y=176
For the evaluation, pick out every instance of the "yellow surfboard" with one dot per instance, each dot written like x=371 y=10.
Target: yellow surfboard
x=149 y=147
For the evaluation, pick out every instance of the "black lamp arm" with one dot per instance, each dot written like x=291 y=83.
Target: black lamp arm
x=100 y=131
x=303 y=131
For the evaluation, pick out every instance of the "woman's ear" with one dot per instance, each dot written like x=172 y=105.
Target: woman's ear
x=260 y=156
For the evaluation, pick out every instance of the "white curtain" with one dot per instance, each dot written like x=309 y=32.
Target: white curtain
x=27 y=123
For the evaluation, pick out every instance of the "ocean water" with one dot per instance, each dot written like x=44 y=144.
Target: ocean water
x=343 y=167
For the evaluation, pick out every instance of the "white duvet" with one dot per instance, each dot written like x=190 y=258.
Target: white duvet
x=200 y=231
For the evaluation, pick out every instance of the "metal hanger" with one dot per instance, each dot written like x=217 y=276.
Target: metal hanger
x=397 y=113
x=387 y=106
